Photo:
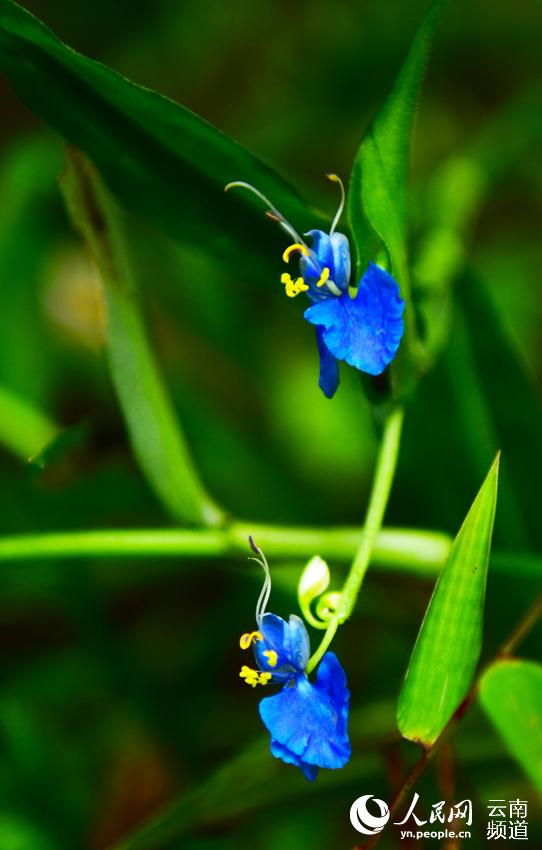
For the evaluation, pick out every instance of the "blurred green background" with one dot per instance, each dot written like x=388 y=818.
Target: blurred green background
x=120 y=689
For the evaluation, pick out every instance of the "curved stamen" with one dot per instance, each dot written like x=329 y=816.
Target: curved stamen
x=246 y=640
x=336 y=179
x=275 y=214
x=291 y=249
x=266 y=589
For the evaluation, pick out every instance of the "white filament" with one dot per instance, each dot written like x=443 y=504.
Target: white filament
x=338 y=214
x=265 y=592
x=239 y=184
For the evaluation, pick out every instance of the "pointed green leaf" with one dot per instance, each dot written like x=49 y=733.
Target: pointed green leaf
x=378 y=185
x=158 y=157
x=511 y=695
x=448 y=646
x=25 y=430
x=156 y=436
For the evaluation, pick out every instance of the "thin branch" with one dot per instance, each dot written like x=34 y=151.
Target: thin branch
x=523 y=628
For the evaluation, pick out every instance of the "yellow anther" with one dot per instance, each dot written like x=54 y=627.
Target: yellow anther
x=323 y=277
x=250 y=676
x=293 y=287
x=297 y=246
x=248 y=639
x=271 y=656
x=254 y=677
x=334 y=178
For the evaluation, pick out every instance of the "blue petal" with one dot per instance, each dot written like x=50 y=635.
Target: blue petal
x=275 y=631
x=332 y=252
x=309 y=771
x=300 y=649
x=341 y=260
x=365 y=331
x=329 y=368
x=331 y=680
x=308 y=722
x=289 y=640
x=276 y=636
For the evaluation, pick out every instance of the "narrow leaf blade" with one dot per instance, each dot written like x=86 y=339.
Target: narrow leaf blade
x=511 y=696
x=450 y=639
x=155 y=433
x=156 y=155
x=378 y=185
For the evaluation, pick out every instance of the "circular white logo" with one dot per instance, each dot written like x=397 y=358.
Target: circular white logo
x=363 y=821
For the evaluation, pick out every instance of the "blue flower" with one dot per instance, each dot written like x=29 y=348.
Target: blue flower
x=366 y=330
x=363 y=329
x=307 y=721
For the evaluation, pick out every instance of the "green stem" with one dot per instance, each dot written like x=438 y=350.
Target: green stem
x=406 y=550
x=413 y=551
x=385 y=471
